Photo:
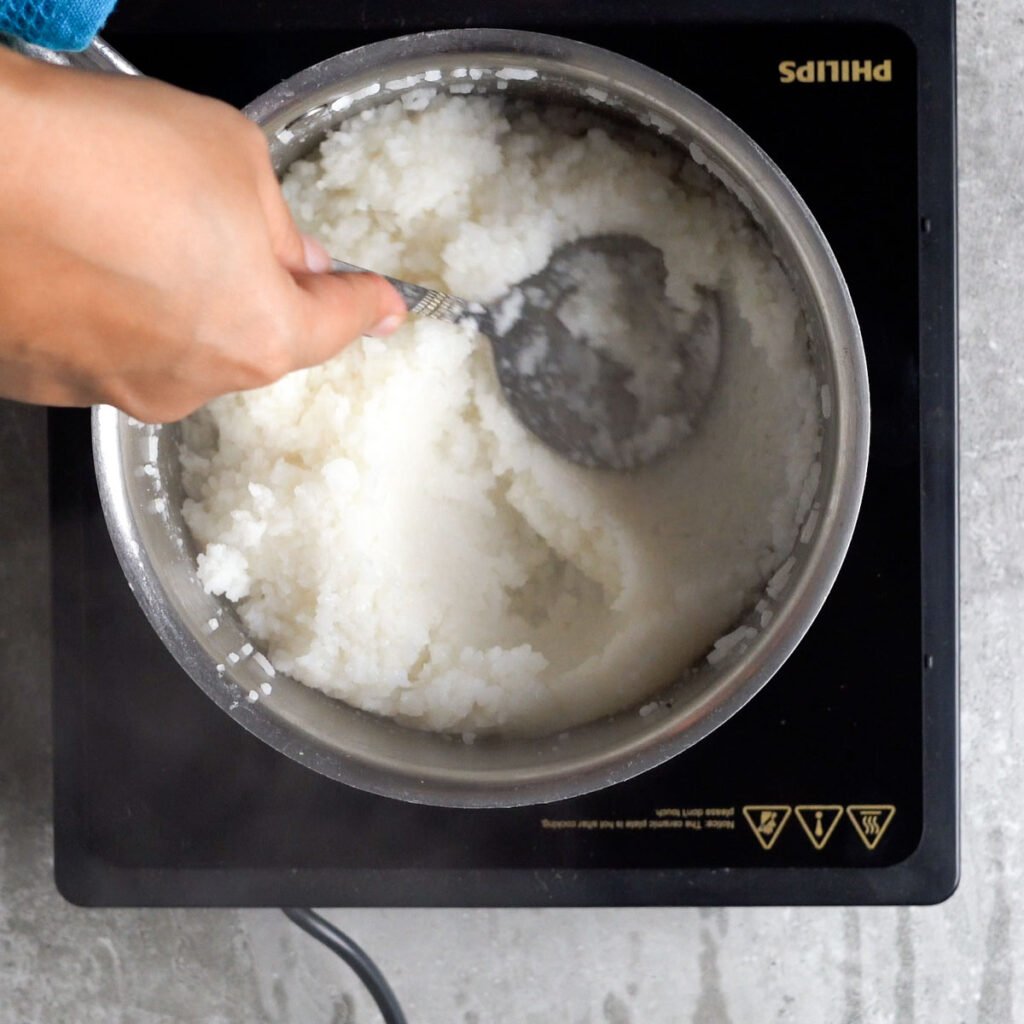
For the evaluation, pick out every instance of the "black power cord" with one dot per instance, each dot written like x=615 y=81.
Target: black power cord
x=366 y=970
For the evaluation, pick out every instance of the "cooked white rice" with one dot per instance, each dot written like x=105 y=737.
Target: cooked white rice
x=393 y=535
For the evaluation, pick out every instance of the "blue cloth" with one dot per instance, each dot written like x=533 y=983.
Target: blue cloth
x=57 y=24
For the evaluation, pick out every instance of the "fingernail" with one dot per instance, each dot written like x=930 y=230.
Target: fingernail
x=387 y=326
x=318 y=259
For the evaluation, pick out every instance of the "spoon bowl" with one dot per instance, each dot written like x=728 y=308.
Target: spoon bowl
x=591 y=354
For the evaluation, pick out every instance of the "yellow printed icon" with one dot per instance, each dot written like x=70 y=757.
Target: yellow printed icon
x=871 y=821
x=819 y=821
x=767 y=821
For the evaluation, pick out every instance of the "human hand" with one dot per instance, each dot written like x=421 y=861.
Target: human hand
x=147 y=257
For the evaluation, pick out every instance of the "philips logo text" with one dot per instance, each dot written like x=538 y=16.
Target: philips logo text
x=813 y=71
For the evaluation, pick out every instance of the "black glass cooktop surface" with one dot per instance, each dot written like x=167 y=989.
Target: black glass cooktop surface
x=836 y=784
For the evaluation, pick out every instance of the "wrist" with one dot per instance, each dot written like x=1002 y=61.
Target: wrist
x=12 y=65
x=23 y=114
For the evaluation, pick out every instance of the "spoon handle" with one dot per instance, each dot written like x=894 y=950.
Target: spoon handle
x=418 y=300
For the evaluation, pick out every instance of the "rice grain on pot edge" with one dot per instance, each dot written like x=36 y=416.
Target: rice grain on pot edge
x=390 y=532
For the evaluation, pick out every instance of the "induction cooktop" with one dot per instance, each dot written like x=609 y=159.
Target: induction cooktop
x=836 y=784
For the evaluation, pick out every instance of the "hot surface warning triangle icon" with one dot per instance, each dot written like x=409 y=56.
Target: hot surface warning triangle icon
x=767 y=821
x=871 y=821
x=819 y=821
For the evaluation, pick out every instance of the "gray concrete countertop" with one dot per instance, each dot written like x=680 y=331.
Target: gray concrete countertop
x=954 y=963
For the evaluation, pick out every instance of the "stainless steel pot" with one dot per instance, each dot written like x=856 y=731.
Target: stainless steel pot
x=142 y=504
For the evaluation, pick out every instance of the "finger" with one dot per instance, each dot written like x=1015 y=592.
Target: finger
x=295 y=250
x=287 y=243
x=318 y=259
x=339 y=308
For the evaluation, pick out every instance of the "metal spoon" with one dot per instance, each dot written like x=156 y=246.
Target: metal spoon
x=591 y=355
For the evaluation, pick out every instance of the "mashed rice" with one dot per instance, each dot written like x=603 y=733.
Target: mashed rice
x=392 y=534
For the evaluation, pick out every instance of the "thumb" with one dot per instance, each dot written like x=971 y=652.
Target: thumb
x=339 y=308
